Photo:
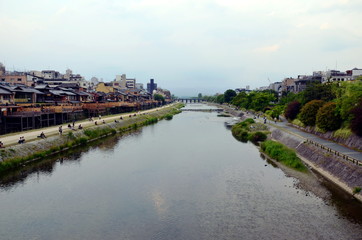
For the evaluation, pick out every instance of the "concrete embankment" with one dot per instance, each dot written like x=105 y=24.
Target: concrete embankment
x=16 y=155
x=340 y=171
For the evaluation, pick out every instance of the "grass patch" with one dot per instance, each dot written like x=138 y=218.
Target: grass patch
x=342 y=133
x=298 y=123
x=317 y=129
x=356 y=190
x=283 y=154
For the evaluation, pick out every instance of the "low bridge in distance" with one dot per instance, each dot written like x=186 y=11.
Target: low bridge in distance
x=202 y=110
x=190 y=100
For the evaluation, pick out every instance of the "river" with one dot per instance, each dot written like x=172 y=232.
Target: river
x=187 y=178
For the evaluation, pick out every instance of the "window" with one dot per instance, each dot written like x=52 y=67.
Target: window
x=19 y=79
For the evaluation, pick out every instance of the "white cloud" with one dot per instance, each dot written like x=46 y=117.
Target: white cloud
x=182 y=41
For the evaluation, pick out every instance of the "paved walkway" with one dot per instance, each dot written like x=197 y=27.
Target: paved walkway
x=31 y=135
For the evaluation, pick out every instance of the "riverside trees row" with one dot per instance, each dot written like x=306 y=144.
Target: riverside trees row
x=326 y=107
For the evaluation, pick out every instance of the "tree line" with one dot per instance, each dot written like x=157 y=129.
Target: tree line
x=327 y=107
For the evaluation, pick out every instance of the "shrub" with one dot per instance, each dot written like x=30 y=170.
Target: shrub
x=249 y=120
x=168 y=116
x=356 y=122
x=309 y=111
x=257 y=137
x=328 y=118
x=240 y=134
x=292 y=110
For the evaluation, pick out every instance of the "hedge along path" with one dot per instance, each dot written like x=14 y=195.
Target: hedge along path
x=12 y=139
x=20 y=154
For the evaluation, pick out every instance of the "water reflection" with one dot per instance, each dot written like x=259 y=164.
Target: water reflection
x=45 y=167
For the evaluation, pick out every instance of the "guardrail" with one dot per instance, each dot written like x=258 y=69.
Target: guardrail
x=344 y=156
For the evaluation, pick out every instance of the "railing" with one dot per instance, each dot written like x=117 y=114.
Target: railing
x=344 y=156
x=59 y=109
x=24 y=114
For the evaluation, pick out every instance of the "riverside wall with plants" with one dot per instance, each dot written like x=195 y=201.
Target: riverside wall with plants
x=343 y=173
x=18 y=155
x=341 y=136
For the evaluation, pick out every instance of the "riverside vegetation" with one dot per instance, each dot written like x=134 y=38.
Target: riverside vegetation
x=322 y=107
x=249 y=130
x=13 y=158
x=283 y=154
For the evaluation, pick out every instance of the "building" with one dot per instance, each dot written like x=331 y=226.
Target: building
x=139 y=86
x=288 y=85
x=275 y=86
x=303 y=81
x=122 y=82
x=151 y=86
x=105 y=87
x=356 y=73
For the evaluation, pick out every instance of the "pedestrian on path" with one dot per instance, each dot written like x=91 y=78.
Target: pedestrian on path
x=21 y=140
x=60 y=130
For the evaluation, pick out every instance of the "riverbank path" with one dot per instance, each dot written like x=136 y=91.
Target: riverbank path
x=31 y=135
x=285 y=126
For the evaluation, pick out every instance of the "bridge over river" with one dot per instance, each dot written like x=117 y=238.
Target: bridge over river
x=203 y=109
x=190 y=100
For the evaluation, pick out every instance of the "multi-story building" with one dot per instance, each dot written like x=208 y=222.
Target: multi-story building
x=122 y=82
x=303 y=81
x=288 y=85
x=151 y=86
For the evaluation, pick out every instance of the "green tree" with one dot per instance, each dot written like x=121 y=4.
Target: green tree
x=241 y=100
x=317 y=91
x=220 y=99
x=356 y=122
x=288 y=97
x=260 y=100
x=328 y=118
x=309 y=111
x=350 y=94
x=159 y=97
x=229 y=95
x=199 y=95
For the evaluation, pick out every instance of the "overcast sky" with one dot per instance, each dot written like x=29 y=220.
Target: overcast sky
x=187 y=46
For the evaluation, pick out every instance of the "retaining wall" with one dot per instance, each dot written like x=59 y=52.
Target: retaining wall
x=340 y=171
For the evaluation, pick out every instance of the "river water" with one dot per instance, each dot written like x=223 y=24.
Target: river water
x=187 y=178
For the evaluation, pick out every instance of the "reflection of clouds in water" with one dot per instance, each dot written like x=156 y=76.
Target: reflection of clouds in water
x=159 y=203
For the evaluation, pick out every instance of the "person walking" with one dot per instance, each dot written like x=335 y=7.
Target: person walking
x=60 y=130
